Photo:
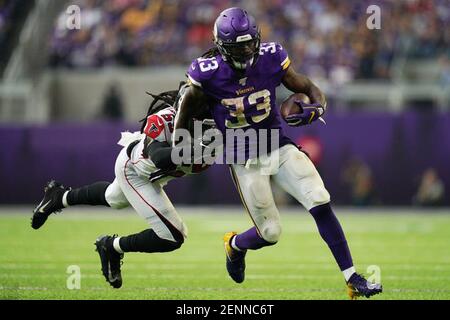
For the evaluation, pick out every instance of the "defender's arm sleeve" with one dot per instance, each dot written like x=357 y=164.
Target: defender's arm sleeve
x=160 y=154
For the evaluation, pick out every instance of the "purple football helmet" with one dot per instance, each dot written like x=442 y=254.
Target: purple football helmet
x=237 y=37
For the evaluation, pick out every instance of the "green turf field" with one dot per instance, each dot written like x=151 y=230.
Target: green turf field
x=412 y=251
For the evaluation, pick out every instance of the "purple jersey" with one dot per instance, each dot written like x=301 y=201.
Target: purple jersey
x=244 y=100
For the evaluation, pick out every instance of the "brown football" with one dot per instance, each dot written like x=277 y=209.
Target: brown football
x=289 y=107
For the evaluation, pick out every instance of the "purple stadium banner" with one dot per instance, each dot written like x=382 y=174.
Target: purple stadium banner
x=397 y=148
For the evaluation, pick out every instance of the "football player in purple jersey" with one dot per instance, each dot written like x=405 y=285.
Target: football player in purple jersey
x=237 y=80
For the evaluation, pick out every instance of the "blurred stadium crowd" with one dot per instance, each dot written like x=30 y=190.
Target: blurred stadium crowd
x=6 y=10
x=328 y=37
x=11 y=13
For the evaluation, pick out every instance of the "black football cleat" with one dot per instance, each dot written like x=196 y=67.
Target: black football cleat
x=110 y=259
x=51 y=203
x=235 y=259
x=358 y=286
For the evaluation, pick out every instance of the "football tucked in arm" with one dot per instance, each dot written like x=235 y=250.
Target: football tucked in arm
x=297 y=110
x=289 y=107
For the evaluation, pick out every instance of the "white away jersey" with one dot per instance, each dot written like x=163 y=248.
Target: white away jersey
x=159 y=127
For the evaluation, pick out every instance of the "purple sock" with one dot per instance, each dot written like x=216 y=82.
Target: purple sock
x=332 y=233
x=250 y=239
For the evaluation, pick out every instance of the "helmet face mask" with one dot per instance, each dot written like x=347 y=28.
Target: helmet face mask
x=242 y=51
x=237 y=38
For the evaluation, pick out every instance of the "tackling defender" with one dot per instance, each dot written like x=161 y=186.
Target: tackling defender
x=142 y=168
x=237 y=79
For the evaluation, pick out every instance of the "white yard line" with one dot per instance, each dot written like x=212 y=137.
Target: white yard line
x=183 y=266
x=216 y=276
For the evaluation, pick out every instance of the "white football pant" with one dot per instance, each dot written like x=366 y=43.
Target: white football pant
x=148 y=199
x=293 y=171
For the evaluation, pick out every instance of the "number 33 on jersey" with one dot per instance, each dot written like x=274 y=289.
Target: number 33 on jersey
x=243 y=100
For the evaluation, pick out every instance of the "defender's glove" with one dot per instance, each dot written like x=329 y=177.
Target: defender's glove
x=308 y=114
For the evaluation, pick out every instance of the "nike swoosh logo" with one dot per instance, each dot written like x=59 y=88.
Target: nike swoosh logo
x=41 y=210
x=111 y=279
x=312 y=116
x=372 y=285
x=110 y=276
